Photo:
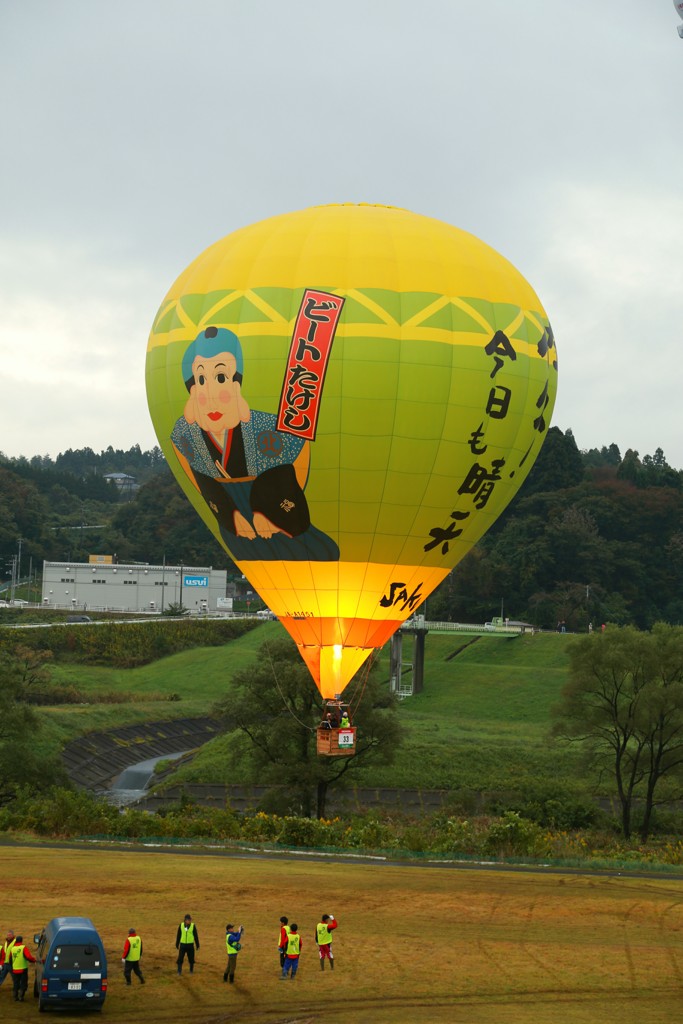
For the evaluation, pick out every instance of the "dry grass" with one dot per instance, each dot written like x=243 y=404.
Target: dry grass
x=415 y=945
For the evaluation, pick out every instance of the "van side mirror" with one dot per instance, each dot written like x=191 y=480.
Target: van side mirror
x=37 y=937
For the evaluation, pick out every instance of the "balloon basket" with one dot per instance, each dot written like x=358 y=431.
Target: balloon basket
x=336 y=742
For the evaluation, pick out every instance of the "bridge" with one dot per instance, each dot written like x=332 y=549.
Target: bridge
x=417 y=627
x=497 y=627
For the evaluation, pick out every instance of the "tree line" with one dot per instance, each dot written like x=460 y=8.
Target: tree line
x=64 y=510
x=591 y=537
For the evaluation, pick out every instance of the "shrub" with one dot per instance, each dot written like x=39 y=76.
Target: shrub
x=301 y=832
x=415 y=838
x=513 y=835
x=260 y=826
x=64 y=812
x=127 y=644
x=46 y=696
x=135 y=824
x=370 y=834
x=454 y=836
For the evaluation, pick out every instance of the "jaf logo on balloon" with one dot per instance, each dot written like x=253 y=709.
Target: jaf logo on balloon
x=350 y=396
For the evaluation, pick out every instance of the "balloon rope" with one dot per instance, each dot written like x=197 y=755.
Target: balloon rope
x=364 y=680
x=303 y=725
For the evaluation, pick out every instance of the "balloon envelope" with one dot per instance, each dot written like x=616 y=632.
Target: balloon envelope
x=349 y=396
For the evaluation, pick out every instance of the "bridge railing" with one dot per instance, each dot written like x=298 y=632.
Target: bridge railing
x=464 y=627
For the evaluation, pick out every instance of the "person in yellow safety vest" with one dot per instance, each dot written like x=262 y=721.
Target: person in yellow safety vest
x=282 y=941
x=323 y=938
x=232 y=947
x=5 y=959
x=345 y=721
x=294 y=945
x=130 y=958
x=186 y=939
x=21 y=957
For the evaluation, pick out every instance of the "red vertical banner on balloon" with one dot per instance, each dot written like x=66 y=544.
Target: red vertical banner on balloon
x=309 y=353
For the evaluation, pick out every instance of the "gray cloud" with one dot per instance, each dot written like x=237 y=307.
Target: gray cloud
x=136 y=134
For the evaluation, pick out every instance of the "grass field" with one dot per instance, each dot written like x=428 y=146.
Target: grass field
x=481 y=723
x=415 y=945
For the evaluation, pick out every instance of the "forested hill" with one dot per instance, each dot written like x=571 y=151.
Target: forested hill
x=85 y=464
x=591 y=537
x=64 y=509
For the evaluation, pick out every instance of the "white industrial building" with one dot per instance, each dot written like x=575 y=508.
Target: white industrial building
x=105 y=586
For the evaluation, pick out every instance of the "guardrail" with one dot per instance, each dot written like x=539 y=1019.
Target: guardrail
x=465 y=627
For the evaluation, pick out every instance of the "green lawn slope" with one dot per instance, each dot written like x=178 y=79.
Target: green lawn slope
x=483 y=720
x=481 y=724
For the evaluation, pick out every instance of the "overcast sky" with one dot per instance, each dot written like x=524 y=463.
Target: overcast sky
x=136 y=133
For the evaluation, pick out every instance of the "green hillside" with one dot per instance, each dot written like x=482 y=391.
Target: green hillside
x=483 y=719
x=481 y=723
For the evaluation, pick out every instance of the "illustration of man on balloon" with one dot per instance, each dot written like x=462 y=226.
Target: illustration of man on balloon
x=251 y=474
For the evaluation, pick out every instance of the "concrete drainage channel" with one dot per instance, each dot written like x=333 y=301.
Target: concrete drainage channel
x=120 y=763
x=131 y=785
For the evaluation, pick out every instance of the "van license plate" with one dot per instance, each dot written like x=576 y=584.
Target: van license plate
x=74 y=986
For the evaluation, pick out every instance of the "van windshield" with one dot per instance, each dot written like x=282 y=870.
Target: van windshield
x=71 y=958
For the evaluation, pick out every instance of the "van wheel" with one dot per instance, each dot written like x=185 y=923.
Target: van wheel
x=41 y=1006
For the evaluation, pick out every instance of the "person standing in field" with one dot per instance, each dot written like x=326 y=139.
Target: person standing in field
x=130 y=958
x=187 y=938
x=292 y=953
x=233 y=945
x=21 y=957
x=282 y=941
x=323 y=938
x=5 y=956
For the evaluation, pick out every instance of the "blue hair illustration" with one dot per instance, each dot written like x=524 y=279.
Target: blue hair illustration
x=210 y=343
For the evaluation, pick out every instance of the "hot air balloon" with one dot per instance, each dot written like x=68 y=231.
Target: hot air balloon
x=678 y=4
x=349 y=395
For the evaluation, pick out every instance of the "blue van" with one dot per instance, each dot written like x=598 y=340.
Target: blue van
x=71 y=965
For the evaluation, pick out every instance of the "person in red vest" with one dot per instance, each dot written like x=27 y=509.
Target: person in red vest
x=21 y=958
x=130 y=958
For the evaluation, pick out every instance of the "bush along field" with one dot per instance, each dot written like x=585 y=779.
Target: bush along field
x=507 y=838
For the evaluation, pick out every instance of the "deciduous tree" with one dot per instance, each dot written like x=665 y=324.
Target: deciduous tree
x=624 y=699
x=22 y=761
x=23 y=670
x=277 y=708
